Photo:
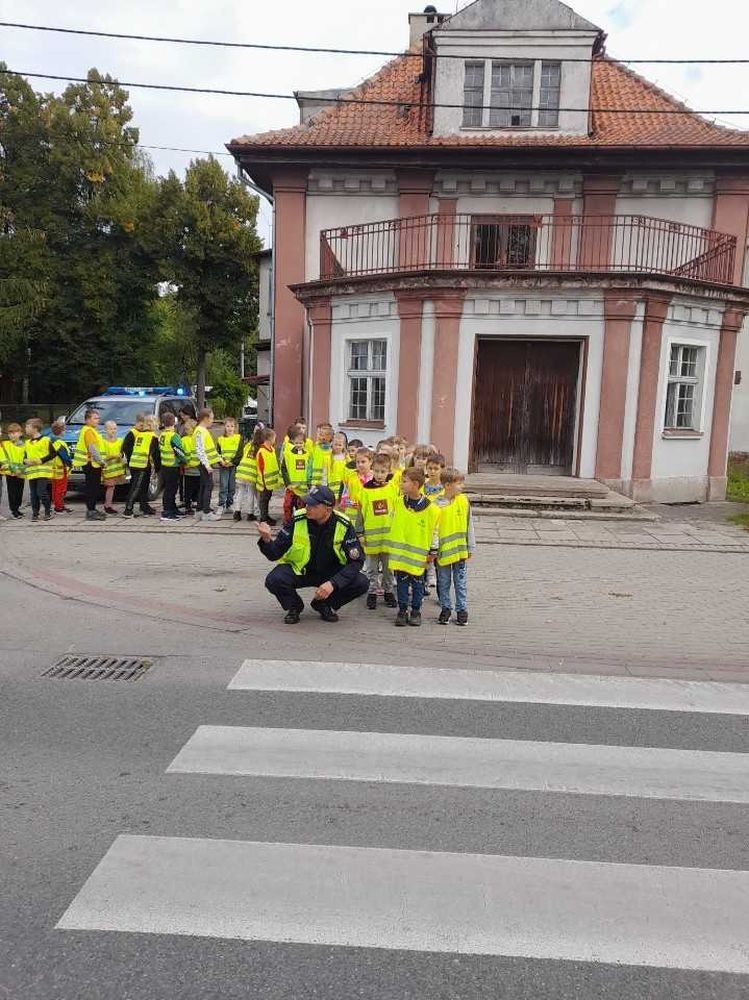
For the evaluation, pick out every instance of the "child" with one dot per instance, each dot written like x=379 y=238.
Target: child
x=113 y=473
x=295 y=471
x=354 y=480
x=245 y=499
x=420 y=455
x=140 y=448
x=173 y=458
x=268 y=473
x=229 y=446
x=337 y=467
x=38 y=456
x=401 y=447
x=13 y=468
x=353 y=446
x=457 y=543
x=434 y=490
x=191 y=470
x=321 y=455
x=89 y=458
x=377 y=500
x=412 y=543
x=205 y=449
x=60 y=468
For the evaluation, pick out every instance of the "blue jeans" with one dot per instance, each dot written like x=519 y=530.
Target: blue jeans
x=456 y=574
x=410 y=589
x=226 y=486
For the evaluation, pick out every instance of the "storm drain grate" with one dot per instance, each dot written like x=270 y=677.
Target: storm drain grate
x=98 y=668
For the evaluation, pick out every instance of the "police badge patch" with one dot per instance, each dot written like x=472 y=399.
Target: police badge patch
x=354 y=553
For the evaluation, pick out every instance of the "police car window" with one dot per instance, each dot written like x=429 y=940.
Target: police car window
x=122 y=411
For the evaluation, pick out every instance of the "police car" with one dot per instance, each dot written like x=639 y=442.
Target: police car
x=121 y=404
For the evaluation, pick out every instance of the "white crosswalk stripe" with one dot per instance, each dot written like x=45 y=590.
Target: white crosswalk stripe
x=566 y=909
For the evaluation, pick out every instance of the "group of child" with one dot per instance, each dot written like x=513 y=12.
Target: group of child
x=409 y=508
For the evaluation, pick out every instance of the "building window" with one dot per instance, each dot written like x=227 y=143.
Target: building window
x=504 y=241
x=683 y=394
x=367 y=373
x=502 y=94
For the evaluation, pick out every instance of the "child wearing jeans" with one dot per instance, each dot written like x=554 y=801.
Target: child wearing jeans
x=38 y=458
x=377 y=502
x=433 y=489
x=457 y=543
x=412 y=544
x=229 y=447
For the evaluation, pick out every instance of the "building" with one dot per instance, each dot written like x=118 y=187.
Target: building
x=509 y=244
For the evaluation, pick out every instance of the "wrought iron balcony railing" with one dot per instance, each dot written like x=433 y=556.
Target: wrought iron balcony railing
x=513 y=243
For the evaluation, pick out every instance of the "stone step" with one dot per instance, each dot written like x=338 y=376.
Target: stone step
x=612 y=503
x=510 y=485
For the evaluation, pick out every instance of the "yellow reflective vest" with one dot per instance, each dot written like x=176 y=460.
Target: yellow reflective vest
x=320 y=472
x=296 y=467
x=36 y=450
x=453 y=531
x=410 y=538
x=188 y=446
x=377 y=505
x=270 y=478
x=247 y=468
x=12 y=458
x=81 y=456
x=208 y=444
x=115 y=469
x=229 y=446
x=139 y=457
x=59 y=468
x=336 y=473
x=169 y=457
x=300 y=552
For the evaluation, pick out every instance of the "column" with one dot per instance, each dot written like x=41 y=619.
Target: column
x=561 y=237
x=596 y=238
x=446 y=249
x=290 y=193
x=320 y=315
x=448 y=308
x=414 y=243
x=410 y=310
x=656 y=311
x=731 y=215
x=724 y=373
x=619 y=311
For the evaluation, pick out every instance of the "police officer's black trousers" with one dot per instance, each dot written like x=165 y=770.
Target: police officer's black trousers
x=283 y=583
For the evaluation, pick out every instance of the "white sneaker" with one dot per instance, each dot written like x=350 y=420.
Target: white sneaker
x=198 y=515
x=214 y=516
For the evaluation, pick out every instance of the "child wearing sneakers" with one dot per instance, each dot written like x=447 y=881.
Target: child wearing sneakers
x=457 y=543
x=295 y=472
x=337 y=466
x=377 y=502
x=38 y=458
x=12 y=455
x=113 y=473
x=229 y=447
x=60 y=467
x=434 y=490
x=245 y=499
x=354 y=479
x=191 y=471
x=269 y=476
x=412 y=543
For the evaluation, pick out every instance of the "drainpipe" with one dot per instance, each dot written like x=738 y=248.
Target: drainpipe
x=252 y=186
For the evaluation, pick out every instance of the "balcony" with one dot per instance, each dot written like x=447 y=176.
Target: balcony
x=631 y=244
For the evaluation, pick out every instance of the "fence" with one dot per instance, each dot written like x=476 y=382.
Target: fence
x=47 y=412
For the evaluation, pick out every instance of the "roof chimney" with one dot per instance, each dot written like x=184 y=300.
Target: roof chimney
x=419 y=24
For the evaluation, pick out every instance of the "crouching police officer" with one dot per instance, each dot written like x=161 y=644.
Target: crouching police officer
x=318 y=548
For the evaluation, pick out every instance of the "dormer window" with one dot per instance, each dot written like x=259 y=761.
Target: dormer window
x=511 y=94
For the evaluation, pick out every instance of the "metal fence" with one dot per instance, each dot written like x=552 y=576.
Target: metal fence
x=21 y=412
x=616 y=243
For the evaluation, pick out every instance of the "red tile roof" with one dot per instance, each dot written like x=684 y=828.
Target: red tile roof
x=613 y=86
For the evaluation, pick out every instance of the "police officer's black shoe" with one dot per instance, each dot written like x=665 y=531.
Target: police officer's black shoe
x=401 y=618
x=445 y=615
x=371 y=602
x=462 y=618
x=292 y=617
x=415 y=619
x=237 y=515
x=390 y=601
x=324 y=610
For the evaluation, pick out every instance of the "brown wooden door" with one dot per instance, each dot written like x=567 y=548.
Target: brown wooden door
x=524 y=406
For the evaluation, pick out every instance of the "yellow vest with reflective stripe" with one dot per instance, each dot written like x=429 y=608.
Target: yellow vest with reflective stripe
x=320 y=473
x=298 y=556
x=188 y=446
x=59 y=468
x=168 y=455
x=208 y=444
x=141 y=449
x=270 y=478
x=377 y=505
x=229 y=446
x=12 y=459
x=336 y=473
x=81 y=456
x=453 y=531
x=296 y=466
x=37 y=450
x=247 y=468
x=410 y=538
x=112 y=449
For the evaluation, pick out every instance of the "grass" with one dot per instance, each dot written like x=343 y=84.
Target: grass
x=738 y=487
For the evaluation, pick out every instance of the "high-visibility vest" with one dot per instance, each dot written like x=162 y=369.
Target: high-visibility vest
x=296 y=466
x=208 y=444
x=140 y=455
x=81 y=456
x=410 y=538
x=59 y=468
x=453 y=531
x=36 y=450
x=270 y=478
x=188 y=446
x=352 y=489
x=377 y=507
x=229 y=446
x=435 y=495
x=169 y=457
x=336 y=472
x=12 y=458
x=112 y=449
x=298 y=555
x=247 y=468
x=320 y=472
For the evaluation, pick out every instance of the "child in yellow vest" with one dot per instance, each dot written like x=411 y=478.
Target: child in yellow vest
x=355 y=478
x=38 y=456
x=337 y=465
x=229 y=446
x=321 y=453
x=11 y=457
x=377 y=503
x=434 y=490
x=269 y=476
x=412 y=544
x=113 y=473
x=245 y=498
x=208 y=457
x=457 y=543
x=191 y=471
x=60 y=467
x=295 y=471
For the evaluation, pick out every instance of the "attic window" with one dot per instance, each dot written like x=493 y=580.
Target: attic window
x=511 y=94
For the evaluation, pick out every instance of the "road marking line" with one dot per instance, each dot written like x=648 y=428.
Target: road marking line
x=684 y=918
x=644 y=772
x=491 y=685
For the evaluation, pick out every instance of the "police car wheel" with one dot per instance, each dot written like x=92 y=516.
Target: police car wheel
x=155 y=486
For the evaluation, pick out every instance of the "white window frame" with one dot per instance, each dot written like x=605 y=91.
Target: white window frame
x=370 y=374
x=489 y=64
x=701 y=383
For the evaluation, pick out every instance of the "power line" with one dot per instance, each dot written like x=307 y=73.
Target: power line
x=323 y=50
x=359 y=101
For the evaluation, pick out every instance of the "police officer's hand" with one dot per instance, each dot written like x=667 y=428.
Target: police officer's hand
x=324 y=591
x=264 y=531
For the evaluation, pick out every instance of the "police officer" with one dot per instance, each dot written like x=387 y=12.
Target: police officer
x=317 y=548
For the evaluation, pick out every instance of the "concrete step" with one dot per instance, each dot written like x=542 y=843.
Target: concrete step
x=508 y=485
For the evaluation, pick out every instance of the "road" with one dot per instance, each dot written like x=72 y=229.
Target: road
x=250 y=820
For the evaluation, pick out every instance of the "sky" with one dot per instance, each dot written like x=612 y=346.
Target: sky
x=676 y=29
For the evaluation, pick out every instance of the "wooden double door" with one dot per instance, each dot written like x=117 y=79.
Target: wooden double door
x=525 y=406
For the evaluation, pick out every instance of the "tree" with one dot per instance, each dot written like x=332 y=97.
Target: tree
x=211 y=242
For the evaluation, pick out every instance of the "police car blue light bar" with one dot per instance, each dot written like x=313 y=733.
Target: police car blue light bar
x=146 y=390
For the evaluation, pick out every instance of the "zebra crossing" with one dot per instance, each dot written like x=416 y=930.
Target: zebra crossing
x=565 y=909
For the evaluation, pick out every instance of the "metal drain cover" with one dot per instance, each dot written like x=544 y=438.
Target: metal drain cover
x=98 y=668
